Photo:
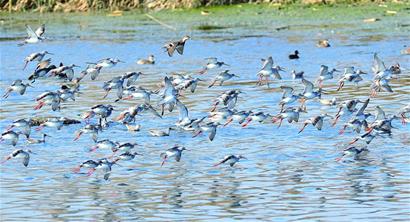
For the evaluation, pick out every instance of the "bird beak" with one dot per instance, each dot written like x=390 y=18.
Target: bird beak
x=337 y=70
x=49 y=53
x=282 y=69
x=77 y=66
x=121 y=61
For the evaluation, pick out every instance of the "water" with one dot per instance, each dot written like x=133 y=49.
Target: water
x=286 y=177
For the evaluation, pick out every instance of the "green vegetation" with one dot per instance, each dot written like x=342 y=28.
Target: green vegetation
x=113 y=5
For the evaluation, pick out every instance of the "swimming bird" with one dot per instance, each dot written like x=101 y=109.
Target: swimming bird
x=350 y=75
x=175 y=152
x=37 y=141
x=132 y=128
x=159 y=133
x=222 y=77
x=230 y=159
x=37 y=56
x=323 y=43
x=325 y=74
x=149 y=61
x=170 y=47
x=316 y=121
x=20 y=153
x=17 y=86
x=212 y=64
x=295 y=55
x=10 y=136
x=33 y=37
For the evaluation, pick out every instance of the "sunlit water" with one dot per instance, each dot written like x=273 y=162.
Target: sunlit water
x=287 y=176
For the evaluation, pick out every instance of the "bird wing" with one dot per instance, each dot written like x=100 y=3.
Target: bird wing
x=361 y=110
x=381 y=115
x=180 y=47
x=30 y=32
x=267 y=64
x=40 y=30
x=308 y=86
x=324 y=70
x=287 y=91
x=378 y=64
x=226 y=158
x=26 y=160
x=212 y=134
x=183 y=111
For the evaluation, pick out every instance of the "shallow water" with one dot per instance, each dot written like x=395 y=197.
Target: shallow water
x=286 y=177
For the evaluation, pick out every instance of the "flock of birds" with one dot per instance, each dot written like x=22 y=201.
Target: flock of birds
x=222 y=112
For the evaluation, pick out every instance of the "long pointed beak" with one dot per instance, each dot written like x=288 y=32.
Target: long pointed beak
x=50 y=53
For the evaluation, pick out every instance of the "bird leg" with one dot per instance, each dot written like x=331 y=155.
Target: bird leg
x=40 y=127
x=228 y=121
x=248 y=120
x=39 y=105
x=353 y=141
x=77 y=169
x=342 y=130
x=106 y=93
x=90 y=172
x=163 y=161
x=337 y=118
x=77 y=136
x=197 y=134
x=304 y=125
x=280 y=122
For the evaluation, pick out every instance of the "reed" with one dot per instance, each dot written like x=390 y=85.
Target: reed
x=90 y=5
